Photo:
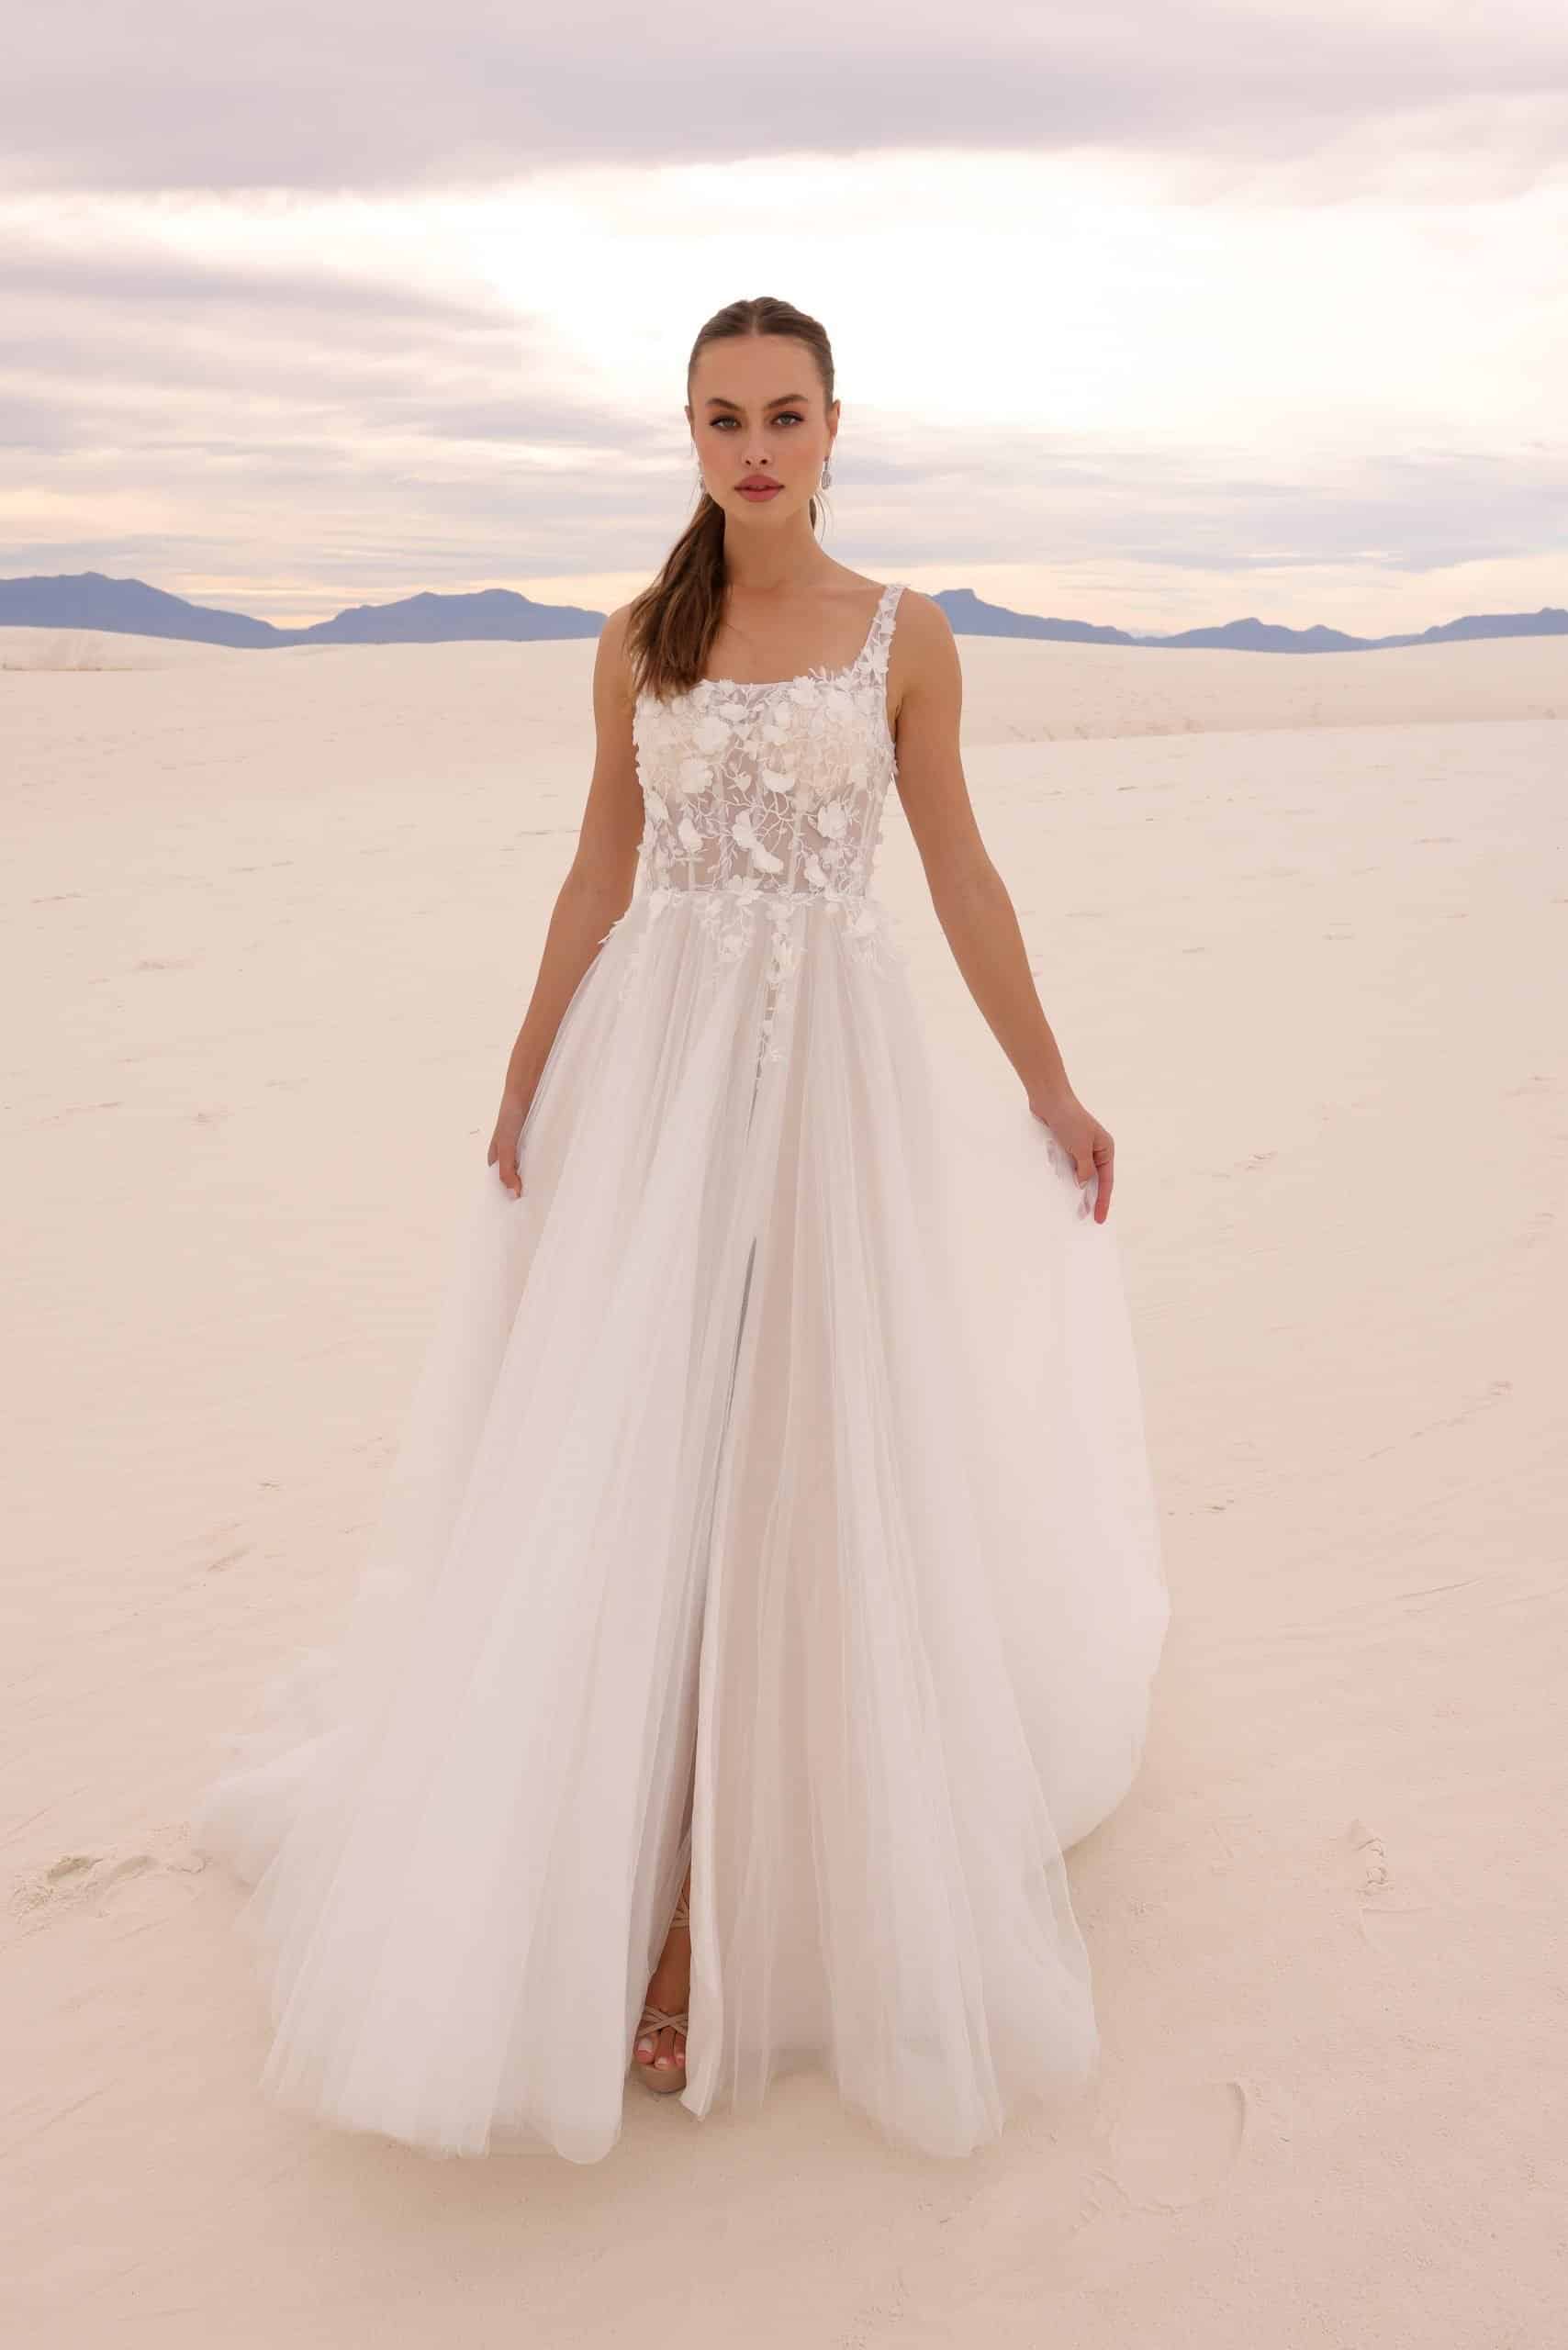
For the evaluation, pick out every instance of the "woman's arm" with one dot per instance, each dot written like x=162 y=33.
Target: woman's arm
x=595 y=893
x=971 y=900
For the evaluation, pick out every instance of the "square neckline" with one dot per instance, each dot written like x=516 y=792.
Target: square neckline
x=817 y=674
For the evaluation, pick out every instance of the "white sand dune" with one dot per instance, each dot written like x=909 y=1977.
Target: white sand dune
x=1015 y=692
x=271 y=920
x=98 y=648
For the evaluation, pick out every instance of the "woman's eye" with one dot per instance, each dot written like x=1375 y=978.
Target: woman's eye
x=785 y=416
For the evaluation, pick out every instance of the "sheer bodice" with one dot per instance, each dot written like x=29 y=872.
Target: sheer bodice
x=766 y=802
x=772 y=788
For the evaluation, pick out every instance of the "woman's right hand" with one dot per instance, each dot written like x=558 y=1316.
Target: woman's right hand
x=502 y=1153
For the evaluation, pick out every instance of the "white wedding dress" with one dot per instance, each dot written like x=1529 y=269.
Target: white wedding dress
x=773 y=1495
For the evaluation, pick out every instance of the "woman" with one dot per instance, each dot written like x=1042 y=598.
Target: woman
x=770 y=1584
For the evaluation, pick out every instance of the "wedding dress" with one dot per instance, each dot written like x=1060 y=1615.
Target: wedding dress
x=773 y=1495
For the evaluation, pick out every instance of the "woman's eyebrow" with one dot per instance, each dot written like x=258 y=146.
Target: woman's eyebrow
x=718 y=400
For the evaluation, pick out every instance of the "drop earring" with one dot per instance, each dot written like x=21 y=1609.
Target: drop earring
x=826 y=473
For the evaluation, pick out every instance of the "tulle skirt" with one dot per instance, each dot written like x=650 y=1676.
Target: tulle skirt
x=772 y=1496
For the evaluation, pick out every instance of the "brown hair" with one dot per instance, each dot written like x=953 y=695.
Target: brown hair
x=672 y=622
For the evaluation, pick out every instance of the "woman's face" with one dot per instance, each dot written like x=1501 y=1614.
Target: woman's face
x=757 y=411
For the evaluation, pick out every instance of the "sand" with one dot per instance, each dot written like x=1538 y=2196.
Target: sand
x=1299 y=923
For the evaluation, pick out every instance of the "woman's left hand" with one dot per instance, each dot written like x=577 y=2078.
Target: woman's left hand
x=1086 y=1142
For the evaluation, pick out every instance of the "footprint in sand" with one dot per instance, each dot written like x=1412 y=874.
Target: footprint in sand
x=1392 y=1912
x=138 y=1886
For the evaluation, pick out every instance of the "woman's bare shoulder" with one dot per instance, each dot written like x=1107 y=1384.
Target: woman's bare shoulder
x=613 y=664
x=921 y=631
x=919 y=614
x=616 y=624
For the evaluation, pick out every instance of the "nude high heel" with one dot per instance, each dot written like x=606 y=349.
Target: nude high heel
x=663 y=2079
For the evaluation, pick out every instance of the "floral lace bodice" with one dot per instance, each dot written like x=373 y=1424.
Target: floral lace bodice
x=777 y=786
x=761 y=802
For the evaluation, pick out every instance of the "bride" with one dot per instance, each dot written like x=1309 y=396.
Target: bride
x=769 y=1587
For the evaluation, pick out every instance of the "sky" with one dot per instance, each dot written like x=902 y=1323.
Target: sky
x=1150 y=314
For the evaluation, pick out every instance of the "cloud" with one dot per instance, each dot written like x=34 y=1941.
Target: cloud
x=156 y=284
x=383 y=94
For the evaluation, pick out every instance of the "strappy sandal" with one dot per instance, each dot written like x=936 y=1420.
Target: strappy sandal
x=663 y=2079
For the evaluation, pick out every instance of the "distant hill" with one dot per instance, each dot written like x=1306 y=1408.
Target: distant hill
x=490 y=614
x=127 y=606
x=968 y=616
x=130 y=608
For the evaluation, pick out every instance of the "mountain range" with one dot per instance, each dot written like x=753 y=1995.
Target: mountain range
x=130 y=607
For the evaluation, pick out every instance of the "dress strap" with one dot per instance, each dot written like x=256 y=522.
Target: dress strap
x=879 y=643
